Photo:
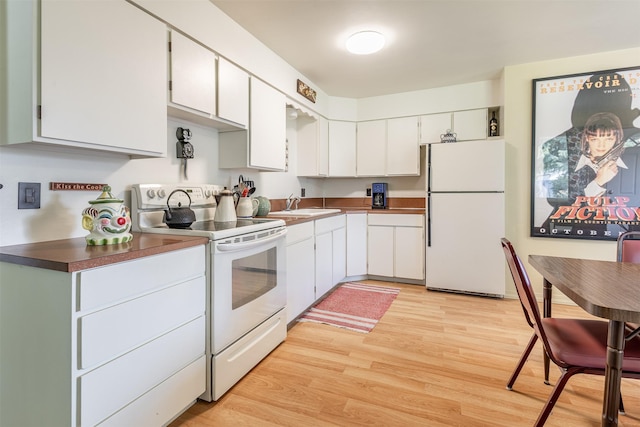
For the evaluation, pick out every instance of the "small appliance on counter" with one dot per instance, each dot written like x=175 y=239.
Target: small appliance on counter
x=379 y=195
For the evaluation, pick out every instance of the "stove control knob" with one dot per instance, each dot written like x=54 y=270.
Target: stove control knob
x=161 y=193
x=151 y=193
x=207 y=193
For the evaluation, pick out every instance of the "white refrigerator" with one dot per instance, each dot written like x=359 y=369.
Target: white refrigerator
x=465 y=217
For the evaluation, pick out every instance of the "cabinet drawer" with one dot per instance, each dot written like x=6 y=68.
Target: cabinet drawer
x=299 y=232
x=329 y=224
x=236 y=360
x=399 y=220
x=109 y=388
x=106 y=333
x=108 y=285
x=163 y=402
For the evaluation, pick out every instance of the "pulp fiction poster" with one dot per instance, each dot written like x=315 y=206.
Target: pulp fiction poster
x=586 y=155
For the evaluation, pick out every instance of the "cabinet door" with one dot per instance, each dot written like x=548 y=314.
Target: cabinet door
x=313 y=146
x=324 y=263
x=356 y=244
x=409 y=253
x=101 y=83
x=470 y=124
x=434 y=125
x=380 y=254
x=403 y=146
x=323 y=147
x=371 y=148
x=300 y=281
x=267 y=127
x=342 y=148
x=339 y=255
x=193 y=75
x=233 y=93
x=308 y=146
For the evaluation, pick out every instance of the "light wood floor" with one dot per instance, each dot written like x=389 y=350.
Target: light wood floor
x=435 y=359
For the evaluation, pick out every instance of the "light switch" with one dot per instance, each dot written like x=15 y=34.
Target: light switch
x=28 y=195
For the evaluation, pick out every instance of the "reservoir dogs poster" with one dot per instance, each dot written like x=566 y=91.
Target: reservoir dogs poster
x=586 y=155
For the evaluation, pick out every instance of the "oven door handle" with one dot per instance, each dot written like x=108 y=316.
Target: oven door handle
x=231 y=247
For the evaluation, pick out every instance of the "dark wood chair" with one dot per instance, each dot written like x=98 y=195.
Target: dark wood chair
x=628 y=250
x=576 y=346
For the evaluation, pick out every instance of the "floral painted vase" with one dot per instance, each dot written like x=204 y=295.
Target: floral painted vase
x=108 y=220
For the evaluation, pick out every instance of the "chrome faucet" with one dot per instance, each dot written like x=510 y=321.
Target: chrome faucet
x=292 y=202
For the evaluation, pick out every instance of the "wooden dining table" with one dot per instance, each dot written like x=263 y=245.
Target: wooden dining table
x=606 y=289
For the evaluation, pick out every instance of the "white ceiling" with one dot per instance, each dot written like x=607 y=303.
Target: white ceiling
x=431 y=43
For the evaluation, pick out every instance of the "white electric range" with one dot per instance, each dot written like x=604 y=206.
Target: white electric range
x=246 y=276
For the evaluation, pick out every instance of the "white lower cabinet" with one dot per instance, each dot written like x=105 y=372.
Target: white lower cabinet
x=356 y=244
x=316 y=261
x=330 y=253
x=301 y=289
x=395 y=246
x=117 y=345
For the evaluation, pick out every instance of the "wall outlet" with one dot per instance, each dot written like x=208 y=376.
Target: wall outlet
x=28 y=195
x=368 y=192
x=302 y=192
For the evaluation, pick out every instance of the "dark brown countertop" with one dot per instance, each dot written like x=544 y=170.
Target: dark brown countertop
x=71 y=255
x=292 y=220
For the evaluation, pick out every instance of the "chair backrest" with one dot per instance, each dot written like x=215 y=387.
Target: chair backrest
x=524 y=289
x=629 y=247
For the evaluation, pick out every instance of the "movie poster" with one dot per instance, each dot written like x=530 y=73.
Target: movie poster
x=586 y=155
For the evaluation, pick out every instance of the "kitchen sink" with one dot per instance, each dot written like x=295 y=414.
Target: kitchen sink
x=305 y=212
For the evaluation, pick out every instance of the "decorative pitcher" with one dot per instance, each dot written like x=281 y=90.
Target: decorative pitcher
x=246 y=207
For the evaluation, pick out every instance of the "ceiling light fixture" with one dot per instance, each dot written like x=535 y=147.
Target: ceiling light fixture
x=365 y=42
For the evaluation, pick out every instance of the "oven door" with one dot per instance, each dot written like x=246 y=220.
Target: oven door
x=248 y=284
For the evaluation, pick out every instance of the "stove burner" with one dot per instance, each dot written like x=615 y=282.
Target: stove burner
x=180 y=226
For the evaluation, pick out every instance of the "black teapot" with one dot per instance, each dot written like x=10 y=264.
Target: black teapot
x=180 y=217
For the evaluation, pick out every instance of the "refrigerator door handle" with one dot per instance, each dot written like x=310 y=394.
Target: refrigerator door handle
x=428 y=195
x=429 y=220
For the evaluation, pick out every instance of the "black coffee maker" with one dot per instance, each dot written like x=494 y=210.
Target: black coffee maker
x=379 y=195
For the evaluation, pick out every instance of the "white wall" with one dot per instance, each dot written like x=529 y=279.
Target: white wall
x=451 y=98
x=59 y=216
x=517 y=127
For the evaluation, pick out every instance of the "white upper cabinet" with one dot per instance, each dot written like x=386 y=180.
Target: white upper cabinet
x=468 y=125
x=434 y=125
x=342 y=148
x=388 y=147
x=323 y=147
x=233 y=93
x=371 y=148
x=193 y=75
x=403 y=146
x=313 y=146
x=267 y=127
x=99 y=86
x=264 y=145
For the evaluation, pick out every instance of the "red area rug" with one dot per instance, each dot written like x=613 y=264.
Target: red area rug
x=354 y=306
